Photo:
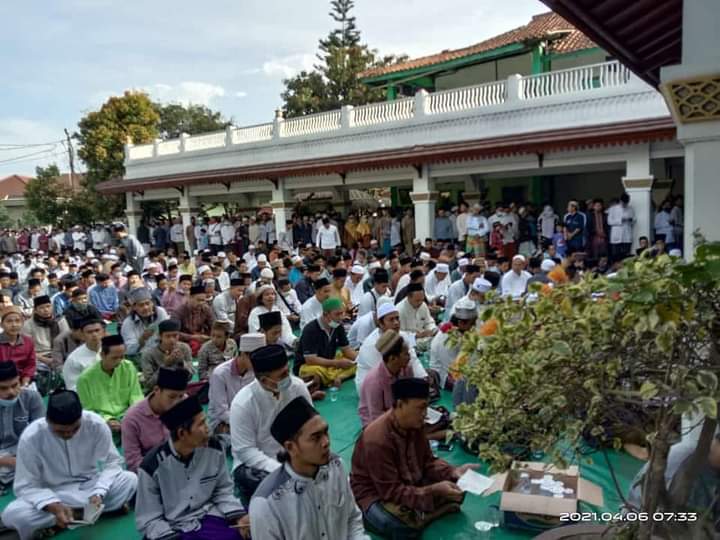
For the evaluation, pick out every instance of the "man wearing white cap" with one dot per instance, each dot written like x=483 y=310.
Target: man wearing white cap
x=442 y=354
x=354 y=284
x=227 y=380
x=262 y=262
x=542 y=275
x=514 y=282
x=363 y=326
x=437 y=283
x=461 y=287
x=249 y=258
x=476 y=295
x=265 y=278
x=368 y=356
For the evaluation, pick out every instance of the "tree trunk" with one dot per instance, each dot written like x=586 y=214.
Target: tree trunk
x=653 y=489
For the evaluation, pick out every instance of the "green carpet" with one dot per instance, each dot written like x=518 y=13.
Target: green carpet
x=344 y=430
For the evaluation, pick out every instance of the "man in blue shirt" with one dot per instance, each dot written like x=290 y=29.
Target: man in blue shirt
x=61 y=300
x=104 y=296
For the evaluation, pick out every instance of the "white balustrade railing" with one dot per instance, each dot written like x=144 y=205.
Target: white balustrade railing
x=165 y=148
x=470 y=97
x=311 y=124
x=515 y=89
x=573 y=80
x=244 y=135
x=387 y=111
x=204 y=142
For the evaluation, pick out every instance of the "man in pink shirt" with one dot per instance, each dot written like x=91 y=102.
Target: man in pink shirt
x=142 y=429
x=376 y=391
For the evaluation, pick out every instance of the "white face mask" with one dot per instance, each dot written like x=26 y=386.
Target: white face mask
x=333 y=324
x=6 y=403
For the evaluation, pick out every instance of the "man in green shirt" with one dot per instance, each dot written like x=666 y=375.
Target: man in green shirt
x=109 y=387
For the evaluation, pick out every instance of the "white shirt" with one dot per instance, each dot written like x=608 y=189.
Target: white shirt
x=663 y=226
x=292 y=300
x=288 y=337
x=621 y=219
x=328 y=237
x=369 y=302
x=77 y=362
x=227 y=232
x=456 y=291
x=311 y=310
x=368 y=357
x=356 y=290
x=435 y=288
x=176 y=233
x=361 y=328
x=214 y=233
x=224 y=307
x=441 y=356
x=513 y=284
x=50 y=469
x=252 y=412
x=415 y=320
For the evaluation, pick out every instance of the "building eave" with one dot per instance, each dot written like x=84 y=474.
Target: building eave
x=529 y=143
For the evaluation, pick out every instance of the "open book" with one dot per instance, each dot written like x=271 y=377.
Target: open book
x=432 y=416
x=85 y=516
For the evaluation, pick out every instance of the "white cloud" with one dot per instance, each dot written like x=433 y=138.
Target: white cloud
x=289 y=65
x=187 y=92
x=240 y=94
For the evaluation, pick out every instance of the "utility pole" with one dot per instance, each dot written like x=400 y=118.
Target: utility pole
x=71 y=159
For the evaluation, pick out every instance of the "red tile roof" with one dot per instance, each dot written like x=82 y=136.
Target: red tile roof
x=13 y=186
x=541 y=26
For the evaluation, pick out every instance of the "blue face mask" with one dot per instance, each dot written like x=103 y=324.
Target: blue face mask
x=11 y=402
x=284 y=384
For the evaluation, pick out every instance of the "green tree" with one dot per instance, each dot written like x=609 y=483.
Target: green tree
x=600 y=360
x=5 y=219
x=335 y=80
x=193 y=120
x=46 y=196
x=102 y=135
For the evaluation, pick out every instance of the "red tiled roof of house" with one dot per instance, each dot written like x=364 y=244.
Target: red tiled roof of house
x=541 y=26
x=13 y=186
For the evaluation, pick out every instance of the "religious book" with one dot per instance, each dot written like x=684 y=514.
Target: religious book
x=87 y=515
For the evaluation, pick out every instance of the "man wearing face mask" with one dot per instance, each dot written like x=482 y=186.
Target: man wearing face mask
x=319 y=342
x=253 y=411
x=18 y=408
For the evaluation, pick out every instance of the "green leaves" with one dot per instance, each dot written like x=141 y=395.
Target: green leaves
x=707 y=405
x=561 y=348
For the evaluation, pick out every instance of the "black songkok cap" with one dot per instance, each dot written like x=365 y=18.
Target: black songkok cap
x=180 y=413
x=414 y=287
x=237 y=282
x=410 y=388
x=268 y=358
x=173 y=379
x=111 y=341
x=88 y=321
x=41 y=300
x=270 y=319
x=197 y=289
x=381 y=276
x=291 y=419
x=320 y=283
x=169 y=325
x=472 y=269
x=8 y=370
x=64 y=407
x=405 y=260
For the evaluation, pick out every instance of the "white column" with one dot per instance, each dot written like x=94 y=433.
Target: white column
x=638 y=183
x=188 y=207
x=424 y=199
x=281 y=204
x=133 y=213
x=690 y=89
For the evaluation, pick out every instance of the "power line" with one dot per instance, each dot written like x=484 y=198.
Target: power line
x=34 y=156
x=10 y=147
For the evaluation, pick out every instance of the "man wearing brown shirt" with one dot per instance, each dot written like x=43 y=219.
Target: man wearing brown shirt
x=196 y=319
x=397 y=482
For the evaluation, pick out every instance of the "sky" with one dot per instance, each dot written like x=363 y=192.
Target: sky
x=63 y=59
